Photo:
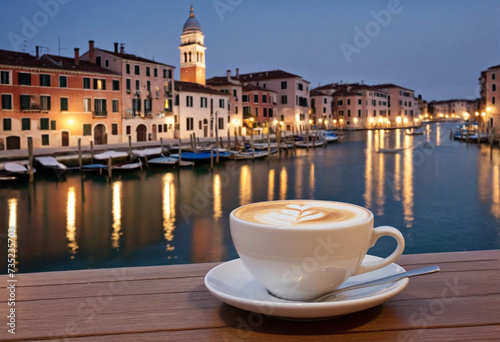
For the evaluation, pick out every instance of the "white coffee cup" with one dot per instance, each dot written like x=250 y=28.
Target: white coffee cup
x=301 y=249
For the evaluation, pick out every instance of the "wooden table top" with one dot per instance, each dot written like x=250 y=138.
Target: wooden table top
x=171 y=303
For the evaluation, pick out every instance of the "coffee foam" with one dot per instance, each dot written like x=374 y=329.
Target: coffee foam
x=302 y=213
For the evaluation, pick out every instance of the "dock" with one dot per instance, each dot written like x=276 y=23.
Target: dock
x=171 y=303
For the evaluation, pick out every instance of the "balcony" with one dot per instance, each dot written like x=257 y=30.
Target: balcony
x=100 y=113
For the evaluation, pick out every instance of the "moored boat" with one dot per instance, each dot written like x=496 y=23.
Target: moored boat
x=168 y=162
x=50 y=165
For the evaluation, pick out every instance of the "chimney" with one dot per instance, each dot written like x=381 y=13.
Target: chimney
x=91 y=52
x=122 y=48
x=228 y=75
x=237 y=72
x=77 y=56
x=37 y=52
x=116 y=47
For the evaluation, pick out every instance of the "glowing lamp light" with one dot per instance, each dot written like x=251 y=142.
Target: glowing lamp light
x=477 y=114
x=371 y=120
x=341 y=120
x=310 y=121
x=320 y=120
x=297 y=117
x=281 y=123
x=405 y=120
x=70 y=121
x=236 y=121
x=355 y=120
x=398 y=119
x=275 y=122
x=483 y=114
x=380 y=120
x=488 y=109
x=251 y=119
x=326 y=122
x=334 y=121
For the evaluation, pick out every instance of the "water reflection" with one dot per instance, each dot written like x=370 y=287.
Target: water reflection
x=408 y=181
x=117 y=215
x=283 y=183
x=168 y=210
x=71 y=222
x=368 y=170
x=270 y=185
x=312 y=181
x=378 y=172
x=217 y=198
x=12 y=233
x=495 y=198
x=245 y=185
x=489 y=180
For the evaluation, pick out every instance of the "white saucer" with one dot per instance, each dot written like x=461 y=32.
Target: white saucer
x=233 y=284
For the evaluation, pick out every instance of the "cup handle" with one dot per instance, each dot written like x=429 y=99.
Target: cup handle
x=377 y=233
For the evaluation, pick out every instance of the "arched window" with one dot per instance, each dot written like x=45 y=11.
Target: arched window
x=197 y=56
x=185 y=57
x=201 y=57
x=190 y=56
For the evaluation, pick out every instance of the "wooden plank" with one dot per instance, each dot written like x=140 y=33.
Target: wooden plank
x=454 y=257
x=114 y=313
x=478 y=333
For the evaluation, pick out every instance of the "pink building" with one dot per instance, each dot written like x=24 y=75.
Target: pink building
x=490 y=96
x=147 y=91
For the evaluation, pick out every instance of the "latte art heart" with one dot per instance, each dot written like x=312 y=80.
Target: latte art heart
x=300 y=213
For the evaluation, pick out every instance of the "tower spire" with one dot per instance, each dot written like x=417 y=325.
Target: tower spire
x=191 y=12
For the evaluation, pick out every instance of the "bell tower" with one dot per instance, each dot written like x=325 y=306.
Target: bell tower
x=192 y=51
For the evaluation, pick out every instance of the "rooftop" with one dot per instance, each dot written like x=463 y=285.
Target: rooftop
x=196 y=88
x=250 y=87
x=390 y=85
x=266 y=75
x=21 y=59
x=132 y=57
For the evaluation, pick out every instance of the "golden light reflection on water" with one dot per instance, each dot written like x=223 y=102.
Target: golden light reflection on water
x=117 y=215
x=397 y=169
x=245 y=185
x=71 y=222
x=368 y=170
x=438 y=135
x=299 y=170
x=495 y=196
x=380 y=174
x=168 y=210
x=283 y=183
x=377 y=173
x=408 y=181
x=270 y=185
x=12 y=233
x=217 y=198
x=311 y=182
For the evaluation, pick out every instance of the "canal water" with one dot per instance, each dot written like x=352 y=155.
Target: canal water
x=442 y=195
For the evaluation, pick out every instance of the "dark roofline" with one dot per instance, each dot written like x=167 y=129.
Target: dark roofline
x=391 y=85
x=267 y=75
x=250 y=87
x=192 y=87
x=50 y=62
x=132 y=57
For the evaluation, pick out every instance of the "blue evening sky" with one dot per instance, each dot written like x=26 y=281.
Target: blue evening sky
x=437 y=48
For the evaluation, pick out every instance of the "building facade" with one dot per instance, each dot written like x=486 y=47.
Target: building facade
x=292 y=96
x=490 y=95
x=201 y=110
x=402 y=109
x=57 y=101
x=234 y=89
x=146 y=92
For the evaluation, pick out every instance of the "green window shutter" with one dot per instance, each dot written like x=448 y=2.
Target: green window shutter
x=52 y=125
x=87 y=129
x=45 y=140
x=64 y=104
x=26 y=124
x=7 y=124
x=44 y=124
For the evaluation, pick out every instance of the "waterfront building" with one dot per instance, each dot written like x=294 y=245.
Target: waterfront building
x=56 y=101
x=452 y=109
x=146 y=92
x=490 y=96
x=232 y=87
x=259 y=106
x=402 y=109
x=201 y=110
x=321 y=108
x=292 y=96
